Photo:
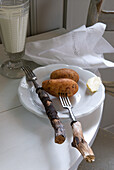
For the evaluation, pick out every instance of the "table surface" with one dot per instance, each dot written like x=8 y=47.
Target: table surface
x=26 y=141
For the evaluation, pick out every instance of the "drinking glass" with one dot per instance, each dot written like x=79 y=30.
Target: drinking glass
x=13 y=29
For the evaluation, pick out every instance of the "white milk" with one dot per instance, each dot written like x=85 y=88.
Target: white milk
x=13 y=29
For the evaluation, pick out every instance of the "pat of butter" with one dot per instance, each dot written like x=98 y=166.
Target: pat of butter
x=93 y=84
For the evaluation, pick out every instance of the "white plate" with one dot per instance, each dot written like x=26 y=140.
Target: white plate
x=83 y=101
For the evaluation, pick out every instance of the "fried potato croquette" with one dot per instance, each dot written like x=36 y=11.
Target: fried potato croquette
x=65 y=73
x=57 y=86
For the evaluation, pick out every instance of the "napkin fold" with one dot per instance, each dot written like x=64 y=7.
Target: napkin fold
x=83 y=47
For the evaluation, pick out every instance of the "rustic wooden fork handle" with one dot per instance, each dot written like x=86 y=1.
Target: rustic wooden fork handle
x=52 y=115
x=80 y=143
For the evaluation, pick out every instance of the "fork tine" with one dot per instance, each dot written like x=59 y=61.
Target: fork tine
x=30 y=71
x=65 y=100
x=69 y=103
x=61 y=100
x=25 y=71
x=28 y=76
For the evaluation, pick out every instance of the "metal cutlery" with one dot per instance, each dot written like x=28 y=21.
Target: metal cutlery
x=48 y=105
x=78 y=138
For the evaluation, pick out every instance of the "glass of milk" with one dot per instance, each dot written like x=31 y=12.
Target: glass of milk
x=13 y=30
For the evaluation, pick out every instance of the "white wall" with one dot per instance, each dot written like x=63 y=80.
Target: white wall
x=77 y=13
x=45 y=15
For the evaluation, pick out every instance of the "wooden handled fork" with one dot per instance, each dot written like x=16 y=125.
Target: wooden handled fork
x=48 y=105
x=78 y=138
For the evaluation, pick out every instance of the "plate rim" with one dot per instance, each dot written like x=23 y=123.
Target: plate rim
x=40 y=114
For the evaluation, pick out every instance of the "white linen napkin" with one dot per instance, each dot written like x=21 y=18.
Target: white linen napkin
x=83 y=47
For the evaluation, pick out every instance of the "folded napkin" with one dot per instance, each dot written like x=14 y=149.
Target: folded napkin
x=83 y=47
